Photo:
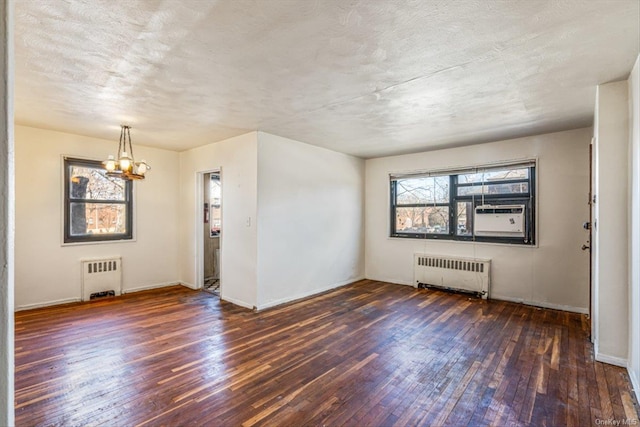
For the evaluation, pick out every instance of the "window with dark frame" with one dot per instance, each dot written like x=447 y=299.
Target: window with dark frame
x=97 y=207
x=442 y=204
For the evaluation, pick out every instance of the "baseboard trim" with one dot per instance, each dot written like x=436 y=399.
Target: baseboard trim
x=635 y=383
x=390 y=280
x=72 y=300
x=611 y=360
x=47 y=304
x=237 y=302
x=147 y=287
x=552 y=306
x=308 y=294
x=189 y=285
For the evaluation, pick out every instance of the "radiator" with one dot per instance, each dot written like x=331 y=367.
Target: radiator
x=452 y=273
x=101 y=277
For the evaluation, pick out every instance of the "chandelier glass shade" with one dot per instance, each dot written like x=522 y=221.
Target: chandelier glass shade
x=124 y=165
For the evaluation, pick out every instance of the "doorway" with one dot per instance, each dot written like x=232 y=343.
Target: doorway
x=593 y=242
x=212 y=228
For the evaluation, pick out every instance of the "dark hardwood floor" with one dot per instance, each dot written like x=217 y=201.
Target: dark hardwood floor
x=370 y=353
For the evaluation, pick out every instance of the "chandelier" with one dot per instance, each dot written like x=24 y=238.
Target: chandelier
x=125 y=166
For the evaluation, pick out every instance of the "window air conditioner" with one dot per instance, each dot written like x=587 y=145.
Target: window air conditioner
x=499 y=220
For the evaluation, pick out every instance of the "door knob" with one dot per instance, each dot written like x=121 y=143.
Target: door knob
x=585 y=247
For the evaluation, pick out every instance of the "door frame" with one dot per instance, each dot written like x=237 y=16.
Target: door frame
x=590 y=238
x=594 y=296
x=200 y=227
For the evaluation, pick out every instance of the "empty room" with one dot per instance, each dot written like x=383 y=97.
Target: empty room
x=320 y=212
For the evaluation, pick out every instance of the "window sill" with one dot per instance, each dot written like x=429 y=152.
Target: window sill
x=101 y=242
x=465 y=242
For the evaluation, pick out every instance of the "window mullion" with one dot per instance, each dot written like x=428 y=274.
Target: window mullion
x=423 y=205
x=478 y=184
x=394 y=205
x=99 y=201
x=453 y=222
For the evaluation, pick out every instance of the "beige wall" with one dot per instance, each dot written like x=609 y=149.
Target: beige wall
x=610 y=217
x=236 y=159
x=310 y=222
x=48 y=272
x=555 y=273
x=292 y=219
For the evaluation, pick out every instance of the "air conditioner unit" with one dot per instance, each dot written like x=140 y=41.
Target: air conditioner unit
x=499 y=220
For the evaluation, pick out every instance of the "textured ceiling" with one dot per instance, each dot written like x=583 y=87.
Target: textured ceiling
x=364 y=77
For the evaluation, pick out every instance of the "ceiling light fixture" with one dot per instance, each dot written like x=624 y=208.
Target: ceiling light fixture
x=125 y=166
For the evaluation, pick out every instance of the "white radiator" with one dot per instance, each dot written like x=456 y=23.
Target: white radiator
x=101 y=277
x=460 y=274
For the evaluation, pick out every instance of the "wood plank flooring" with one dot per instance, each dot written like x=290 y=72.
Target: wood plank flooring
x=367 y=354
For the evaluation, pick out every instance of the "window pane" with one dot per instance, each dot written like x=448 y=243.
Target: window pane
x=97 y=218
x=422 y=190
x=496 y=175
x=441 y=189
x=514 y=188
x=428 y=219
x=414 y=190
x=92 y=183
x=465 y=218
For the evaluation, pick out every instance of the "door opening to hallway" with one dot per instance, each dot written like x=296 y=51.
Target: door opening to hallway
x=212 y=228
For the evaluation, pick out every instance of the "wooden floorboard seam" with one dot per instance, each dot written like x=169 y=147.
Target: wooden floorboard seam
x=366 y=354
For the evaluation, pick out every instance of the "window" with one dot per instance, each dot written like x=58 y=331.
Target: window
x=445 y=204
x=97 y=207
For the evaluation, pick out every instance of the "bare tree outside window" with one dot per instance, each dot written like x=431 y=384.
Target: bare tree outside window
x=98 y=207
x=443 y=206
x=426 y=199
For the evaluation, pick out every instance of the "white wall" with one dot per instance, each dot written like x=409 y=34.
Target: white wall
x=237 y=159
x=553 y=274
x=634 y=256
x=167 y=217
x=48 y=272
x=310 y=219
x=7 y=217
x=611 y=281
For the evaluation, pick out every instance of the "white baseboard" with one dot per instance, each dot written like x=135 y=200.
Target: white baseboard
x=189 y=285
x=309 y=293
x=391 y=280
x=572 y=309
x=611 y=360
x=635 y=382
x=222 y=297
x=237 y=302
x=47 y=304
x=70 y=300
x=147 y=287
x=561 y=307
